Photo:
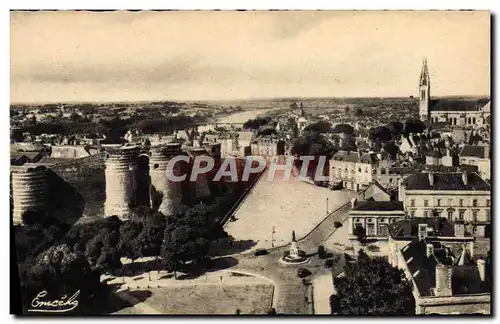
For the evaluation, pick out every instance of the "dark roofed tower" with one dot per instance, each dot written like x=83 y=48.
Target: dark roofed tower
x=424 y=95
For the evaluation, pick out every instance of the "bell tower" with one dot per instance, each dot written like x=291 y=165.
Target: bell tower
x=424 y=92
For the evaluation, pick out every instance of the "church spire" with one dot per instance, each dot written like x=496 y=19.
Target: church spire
x=424 y=74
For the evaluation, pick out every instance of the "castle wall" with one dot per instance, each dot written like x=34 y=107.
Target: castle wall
x=84 y=176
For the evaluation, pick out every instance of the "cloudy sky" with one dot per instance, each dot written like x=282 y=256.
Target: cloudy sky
x=82 y=56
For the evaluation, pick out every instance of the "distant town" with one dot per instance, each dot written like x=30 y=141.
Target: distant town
x=402 y=226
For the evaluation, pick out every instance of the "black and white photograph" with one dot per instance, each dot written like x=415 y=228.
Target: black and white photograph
x=251 y=162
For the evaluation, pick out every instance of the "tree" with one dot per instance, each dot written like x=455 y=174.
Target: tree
x=61 y=271
x=380 y=134
x=358 y=112
x=319 y=127
x=360 y=233
x=414 y=126
x=186 y=239
x=396 y=128
x=372 y=287
x=343 y=129
x=392 y=149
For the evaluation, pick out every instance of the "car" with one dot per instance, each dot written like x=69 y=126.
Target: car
x=261 y=252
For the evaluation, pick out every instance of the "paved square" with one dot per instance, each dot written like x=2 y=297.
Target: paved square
x=286 y=206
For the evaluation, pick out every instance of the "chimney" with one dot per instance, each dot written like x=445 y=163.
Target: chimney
x=464 y=177
x=431 y=179
x=443 y=280
x=459 y=229
x=353 y=202
x=429 y=249
x=481 y=267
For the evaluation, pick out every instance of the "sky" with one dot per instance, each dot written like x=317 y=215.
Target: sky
x=129 y=56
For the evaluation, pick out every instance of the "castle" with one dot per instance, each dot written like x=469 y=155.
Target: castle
x=468 y=113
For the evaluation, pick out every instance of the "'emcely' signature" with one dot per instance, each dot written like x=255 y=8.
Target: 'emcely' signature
x=54 y=306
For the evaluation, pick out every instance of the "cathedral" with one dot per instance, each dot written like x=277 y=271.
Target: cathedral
x=468 y=113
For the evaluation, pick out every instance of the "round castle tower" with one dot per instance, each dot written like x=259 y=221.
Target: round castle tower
x=120 y=172
x=171 y=191
x=29 y=190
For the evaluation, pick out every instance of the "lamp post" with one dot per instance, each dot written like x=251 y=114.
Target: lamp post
x=272 y=236
x=327 y=206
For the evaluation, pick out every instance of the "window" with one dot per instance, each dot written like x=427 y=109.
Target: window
x=383 y=230
x=439 y=202
x=461 y=215
x=487 y=203
x=412 y=214
x=425 y=214
x=412 y=203
x=426 y=203
x=461 y=202
x=359 y=169
x=366 y=170
x=450 y=215
x=474 y=203
x=450 y=202
x=488 y=215
x=390 y=180
x=382 y=219
x=382 y=171
x=474 y=215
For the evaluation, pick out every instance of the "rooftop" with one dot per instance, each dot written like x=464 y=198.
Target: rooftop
x=446 y=181
x=465 y=278
x=458 y=104
x=473 y=151
x=408 y=228
x=378 y=206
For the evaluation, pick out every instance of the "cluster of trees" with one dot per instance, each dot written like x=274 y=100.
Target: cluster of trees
x=343 y=129
x=255 y=124
x=319 y=127
x=51 y=253
x=370 y=287
x=113 y=129
x=395 y=129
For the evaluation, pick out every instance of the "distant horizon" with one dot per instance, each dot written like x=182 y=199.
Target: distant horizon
x=245 y=99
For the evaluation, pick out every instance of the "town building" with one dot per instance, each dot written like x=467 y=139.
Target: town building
x=443 y=282
x=462 y=196
x=375 y=217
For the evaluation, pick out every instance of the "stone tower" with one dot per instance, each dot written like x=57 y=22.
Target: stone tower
x=424 y=92
x=170 y=191
x=201 y=188
x=121 y=184
x=29 y=190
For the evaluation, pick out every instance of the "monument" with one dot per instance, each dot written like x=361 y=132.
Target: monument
x=294 y=255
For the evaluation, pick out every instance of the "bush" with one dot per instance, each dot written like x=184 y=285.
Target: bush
x=337 y=224
x=261 y=252
x=303 y=272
